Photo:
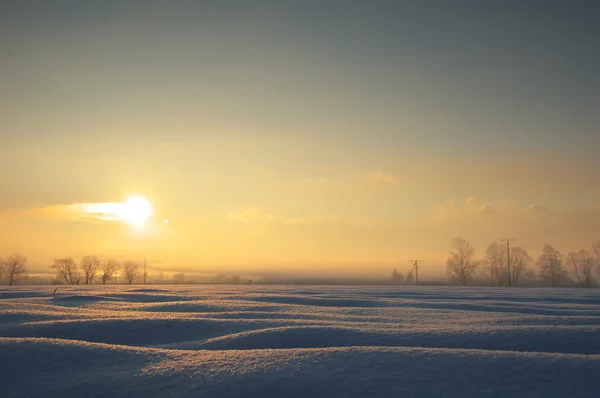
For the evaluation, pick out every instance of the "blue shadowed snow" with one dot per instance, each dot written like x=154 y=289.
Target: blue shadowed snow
x=261 y=341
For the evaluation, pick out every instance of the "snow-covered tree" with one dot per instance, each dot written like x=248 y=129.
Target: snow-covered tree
x=90 y=265
x=109 y=268
x=550 y=264
x=130 y=271
x=14 y=267
x=461 y=262
x=495 y=263
x=67 y=270
x=582 y=264
x=519 y=263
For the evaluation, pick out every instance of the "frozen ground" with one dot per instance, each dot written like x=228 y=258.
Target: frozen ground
x=261 y=341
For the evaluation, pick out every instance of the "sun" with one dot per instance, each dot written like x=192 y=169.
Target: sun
x=136 y=211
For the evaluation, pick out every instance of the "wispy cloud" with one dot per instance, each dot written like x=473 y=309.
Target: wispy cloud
x=533 y=225
x=382 y=177
x=130 y=211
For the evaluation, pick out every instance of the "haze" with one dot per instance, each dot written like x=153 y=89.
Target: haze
x=298 y=137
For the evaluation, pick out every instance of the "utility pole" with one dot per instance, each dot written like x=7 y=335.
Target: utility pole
x=416 y=271
x=144 y=270
x=415 y=268
x=508 y=242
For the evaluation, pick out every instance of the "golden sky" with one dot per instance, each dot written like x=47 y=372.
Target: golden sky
x=295 y=140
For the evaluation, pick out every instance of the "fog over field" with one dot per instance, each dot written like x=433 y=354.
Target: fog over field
x=298 y=341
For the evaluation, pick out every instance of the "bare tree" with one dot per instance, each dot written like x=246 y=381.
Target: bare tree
x=550 y=264
x=14 y=267
x=2 y=268
x=495 y=263
x=582 y=263
x=108 y=270
x=397 y=277
x=461 y=262
x=130 y=270
x=179 y=278
x=90 y=265
x=67 y=270
x=520 y=261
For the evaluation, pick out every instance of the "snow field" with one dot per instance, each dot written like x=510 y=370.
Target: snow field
x=299 y=341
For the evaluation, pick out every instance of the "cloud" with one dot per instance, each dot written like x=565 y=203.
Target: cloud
x=382 y=177
x=538 y=210
x=129 y=211
x=533 y=225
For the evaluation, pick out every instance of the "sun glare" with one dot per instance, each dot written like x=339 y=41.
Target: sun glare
x=136 y=210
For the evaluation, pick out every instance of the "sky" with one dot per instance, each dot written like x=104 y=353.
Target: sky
x=339 y=136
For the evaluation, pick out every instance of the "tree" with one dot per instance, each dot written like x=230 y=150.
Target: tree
x=179 y=278
x=2 y=268
x=550 y=264
x=397 y=277
x=520 y=261
x=495 y=263
x=108 y=269
x=67 y=270
x=130 y=270
x=461 y=262
x=90 y=265
x=14 y=267
x=582 y=263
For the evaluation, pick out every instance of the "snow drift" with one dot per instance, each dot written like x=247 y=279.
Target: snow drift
x=308 y=341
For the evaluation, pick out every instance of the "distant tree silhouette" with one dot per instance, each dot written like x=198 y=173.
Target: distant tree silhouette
x=397 y=277
x=495 y=263
x=179 y=278
x=130 y=271
x=67 y=270
x=109 y=268
x=2 y=268
x=519 y=263
x=14 y=267
x=90 y=265
x=550 y=264
x=583 y=264
x=461 y=262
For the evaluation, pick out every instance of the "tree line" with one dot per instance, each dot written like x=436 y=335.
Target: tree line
x=72 y=273
x=463 y=266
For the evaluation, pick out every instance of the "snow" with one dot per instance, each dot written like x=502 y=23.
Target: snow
x=258 y=341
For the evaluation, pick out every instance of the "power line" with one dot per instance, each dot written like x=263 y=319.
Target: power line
x=508 y=242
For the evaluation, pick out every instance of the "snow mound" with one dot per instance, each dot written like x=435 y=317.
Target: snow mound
x=305 y=341
x=107 y=370
x=78 y=300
